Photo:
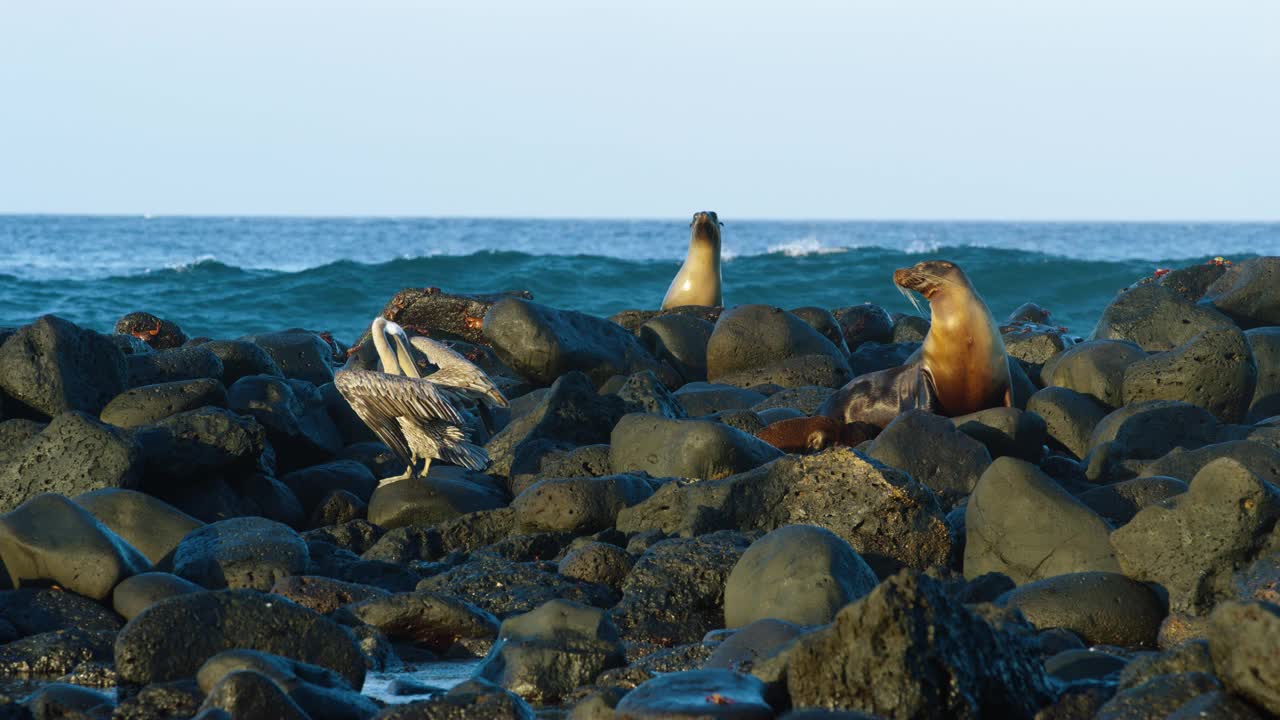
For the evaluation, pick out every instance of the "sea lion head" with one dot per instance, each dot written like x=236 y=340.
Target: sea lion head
x=705 y=227
x=930 y=277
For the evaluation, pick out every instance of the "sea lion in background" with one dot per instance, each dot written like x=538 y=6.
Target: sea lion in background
x=961 y=368
x=698 y=282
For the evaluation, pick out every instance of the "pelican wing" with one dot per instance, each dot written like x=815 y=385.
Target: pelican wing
x=447 y=442
x=456 y=371
x=380 y=400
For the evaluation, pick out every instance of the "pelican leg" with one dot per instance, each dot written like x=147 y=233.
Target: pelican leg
x=387 y=481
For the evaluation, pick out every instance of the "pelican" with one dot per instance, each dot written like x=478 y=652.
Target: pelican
x=412 y=414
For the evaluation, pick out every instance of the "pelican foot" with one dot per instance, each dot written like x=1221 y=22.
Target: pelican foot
x=387 y=481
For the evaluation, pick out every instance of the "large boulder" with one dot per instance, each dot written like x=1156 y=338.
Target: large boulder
x=294 y=414
x=1069 y=417
x=799 y=573
x=1021 y=523
x=1242 y=641
x=298 y=354
x=1149 y=430
x=934 y=452
x=313 y=484
x=750 y=337
x=864 y=323
x=1156 y=319
x=1101 y=608
x=321 y=693
x=152 y=526
x=1261 y=460
x=1247 y=292
x=73 y=454
x=135 y=594
x=578 y=505
x=53 y=366
x=1265 y=344
x=185 y=363
x=239 y=553
x=430 y=620
x=825 y=322
x=1214 y=370
x=907 y=650
x=241 y=358
x=51 y=539
x=1095 y=368
x=543 y=343
x=680 y=341
x=700 y=399
x=1192 y=543
x=570 y=414
x=445 y=493
x=1119 y=502
x=710 y=694
x=448 y=316
x=504 y=587
x=149 y=403
x=794 y=372
x=156 y=333
x=701 y=449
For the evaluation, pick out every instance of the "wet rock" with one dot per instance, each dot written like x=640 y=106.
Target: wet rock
x=445 y=493
x=931 y=658
x=63 y=700
x=135 y=594
x=51 y=539
x=1156 y=319
x=1101 y=608
x=167 y=366
x=240 y=553
x=545 y=654
x=151 y=526
x=73 y=454
x=1084 y=664
x=313 y=484
x=52 y=366
x=798 y=573
x=1159 y=697
x=149 y=403
x=249 y=694
x=752 y=643
x=1095 y=368
x=874 y=356
x=1190 y=544
x=241 y=358
x=1247 y=293
x=294 y=416
x=825 y=323
x=1151 y=429
x=1119 y=502
x=578 y=505
x=697 y=694
x=644 y=393
x=934 y=452
x=1214 y=370
x=1216 y=704
x=750 y=337
x=321 y=693
x=1021 y=523
x=890 y=519
x=910 y=328
x=675 y=592
x=1069 y=417
x=475 y=698
x=680 y=341
x=543 y=343
x=864 y=323
x=794 y=372
x=173 y=638
x=58 y=652
x=506 y=588
x=597 y=562
x=1006 y=431
x=298 y=354
x=684 y=448
x=571 y=414
x=699 y=399
x=431 y=620
x=805 y=399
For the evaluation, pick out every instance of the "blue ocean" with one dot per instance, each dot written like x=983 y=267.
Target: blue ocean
x=229 y=276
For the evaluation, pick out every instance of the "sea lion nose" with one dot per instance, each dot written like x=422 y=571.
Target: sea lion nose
x=901 y=275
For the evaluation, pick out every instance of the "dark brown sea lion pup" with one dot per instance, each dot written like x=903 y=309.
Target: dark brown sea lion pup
x=698 y=282
x=961 y=367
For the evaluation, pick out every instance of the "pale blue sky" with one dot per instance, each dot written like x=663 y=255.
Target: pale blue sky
x=945 y=109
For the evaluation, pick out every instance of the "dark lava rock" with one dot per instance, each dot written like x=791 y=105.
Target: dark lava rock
x=748 y=421
x=15 y=433
x=931 y=658
x=798 y=573
x=294 y=415
x=1159 y=697
x=794 y=372
x=1069 y=417
x=336 y=507
x=751 y=337
x=1085 y=664
x=1029 y=312
x=807 y=400
x=149 y=403
x=864 y=323
x=135 y=594
x=1035 y=344
x=699 y=399
x=1190 y=656
x=1190 y=544
x=51 y=539
x=1214 y=370
x=476 y=530
x=597 y=562
x=545 y=654
x=751 y=643
x=408 y=543
x=322 y=594
x=823 y=321
x=239 y=553
x=934 y=452
x=873 y=356
x=1189 y=282
x=910 y=328
x=890 y=519
x=684 y=448
x=644 y=393
x=543 y=343
x=706 y=694
x=675 y=592
x=1265 y=344
x=354 y=535
x=321 y=693
x=472 y=700
x=1156 y=319
x=241 y=358
x=1242 y=642
x=1120 y=501
x=174 y=637
x=298 y=354
x=447 y=316
x=249 y=694
x=375 y=456
x=506 y=588
x=35 y=611
x=1151 y=429
x=431 y=620
x=1101 y=608
x=1006 y=431
x=571 y=414
x=313 y=484
x=680 y=341
x=204 y=443
x=1021 y=523
x=445 y=493
x=1183 y=464
x=1095 y=368
x=52 y=366
x=584 y=461
x=1247 y=292
x=156 y=333
x=74 y=454
x=162 y=701
x=52 y=654
x=333 y=562
x=186 y=363
x=578 y=505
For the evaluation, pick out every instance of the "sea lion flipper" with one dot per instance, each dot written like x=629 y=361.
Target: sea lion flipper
x=1008 y=397
x=927 y=397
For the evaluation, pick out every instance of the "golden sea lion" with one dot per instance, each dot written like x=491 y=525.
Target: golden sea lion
x=698 y=282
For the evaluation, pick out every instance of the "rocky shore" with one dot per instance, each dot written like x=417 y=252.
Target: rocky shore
x=193 y=527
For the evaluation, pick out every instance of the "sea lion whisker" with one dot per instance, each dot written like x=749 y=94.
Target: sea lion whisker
x=911 y=298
